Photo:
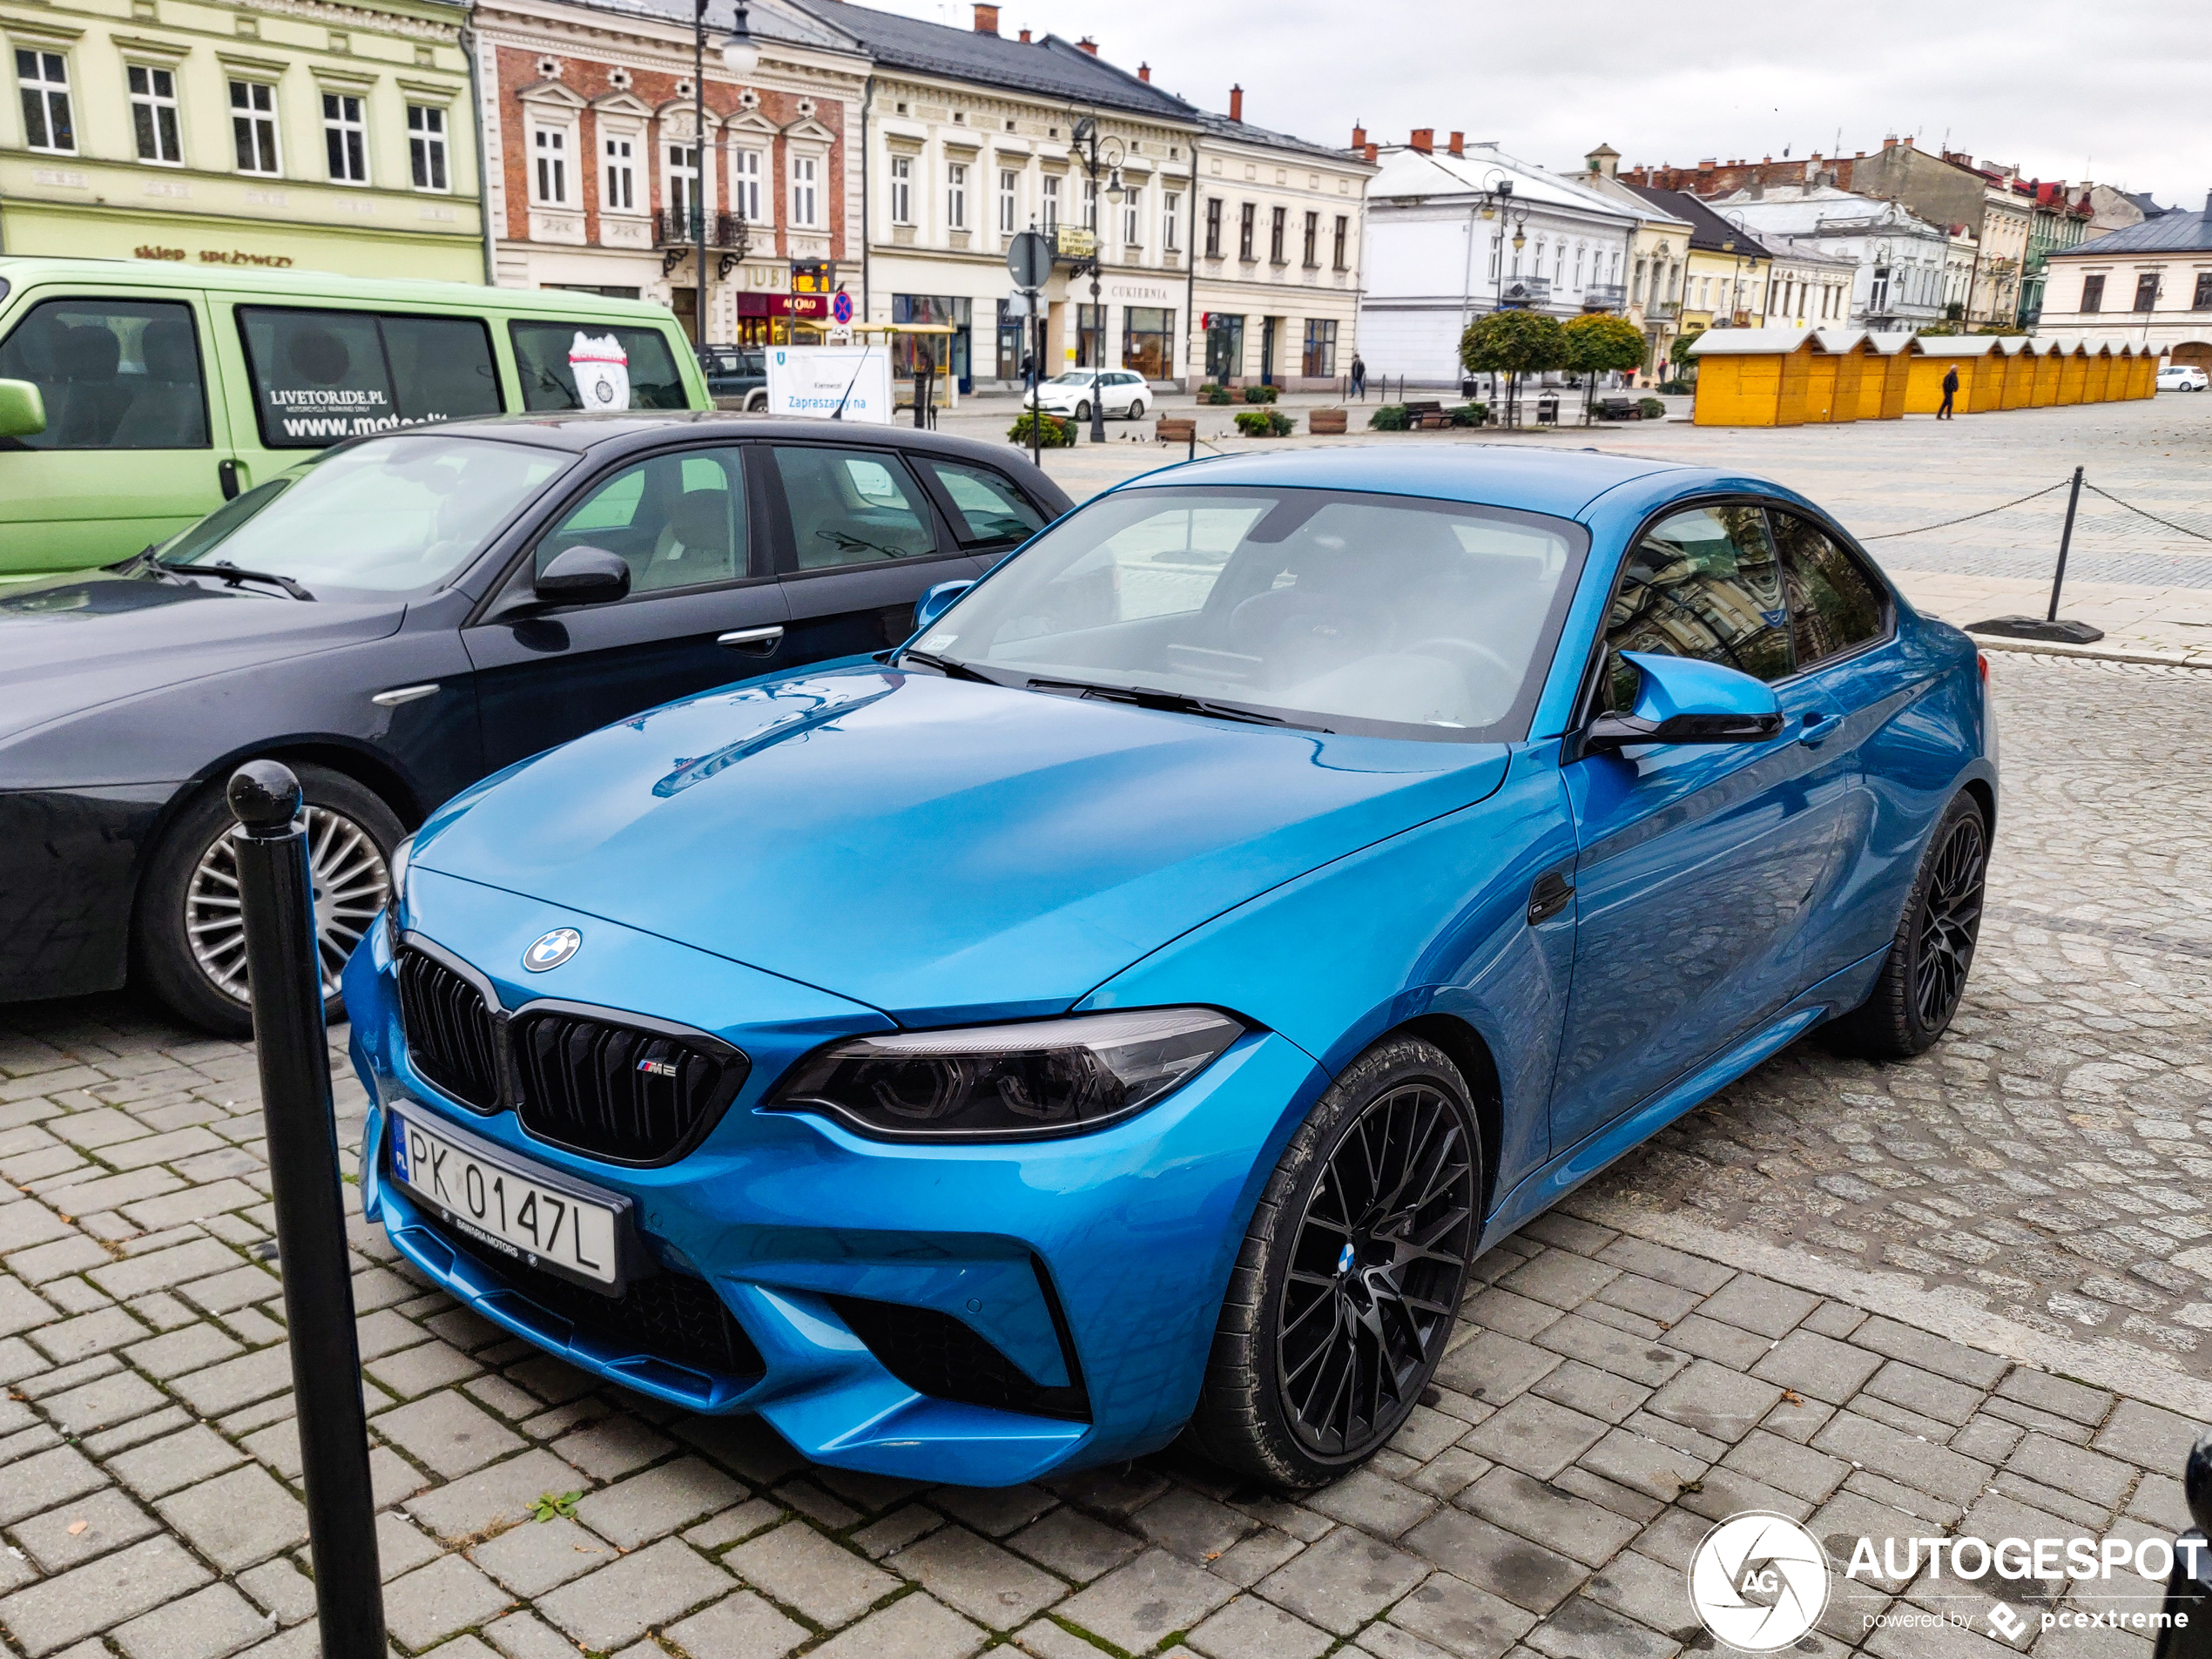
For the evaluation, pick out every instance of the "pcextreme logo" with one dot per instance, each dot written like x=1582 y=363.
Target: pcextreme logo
x=1759 y=1582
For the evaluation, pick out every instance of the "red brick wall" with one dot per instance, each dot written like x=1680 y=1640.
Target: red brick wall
x=589 y=79
x=1710 y=178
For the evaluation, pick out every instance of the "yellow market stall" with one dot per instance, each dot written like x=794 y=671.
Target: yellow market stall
x=1981 y=371
x=1785 y=376
x=1885 y=377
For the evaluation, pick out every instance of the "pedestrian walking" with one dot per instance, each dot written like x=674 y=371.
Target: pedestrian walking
x=1358 y=378
x=1949 y=391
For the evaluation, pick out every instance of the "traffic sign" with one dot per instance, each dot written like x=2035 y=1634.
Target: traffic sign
x=841 y=308
x=1029 y=260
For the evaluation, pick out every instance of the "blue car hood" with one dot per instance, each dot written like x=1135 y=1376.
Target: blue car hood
x=937 y=848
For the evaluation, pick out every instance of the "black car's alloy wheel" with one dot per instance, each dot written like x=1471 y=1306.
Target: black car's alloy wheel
x=1345 y=1292
x=1924 y=977
x=190 y=934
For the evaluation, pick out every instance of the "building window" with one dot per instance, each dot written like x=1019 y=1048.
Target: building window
x=1579 y=252
x=253 y=126
x=345 y=139
x=1278 y=224
x=2146 y=291
x=1091 y=204
x=1090 y=336
x=2202 y=301
x=806 y=176
x=1213 y=227
x=1051 y=214
x=1247 y=229
x=1637 y=293
x=618 y=191
x=1339 y=254
x=426 y=145
x=744 y=172
x=1009 y=202
x=1172 y=220
x=153 y=114
x=1318 y=361
x=902 y=190
x=956 y=195
x=1133 y=218
x=44 y=79
x=1148 y=341
x=1559 y=264
x=2093 y=292
x=1312 y=240
x=684 y=186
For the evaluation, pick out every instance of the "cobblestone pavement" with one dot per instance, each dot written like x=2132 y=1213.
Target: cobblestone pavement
x=1756 y=1312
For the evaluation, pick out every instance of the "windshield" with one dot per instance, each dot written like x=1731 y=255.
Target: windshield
x=1074 y=377
x=392 y=515
x=1350 y=612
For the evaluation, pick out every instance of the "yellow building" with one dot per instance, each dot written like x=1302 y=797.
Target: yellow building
x=273 y=133
x=1725 y=270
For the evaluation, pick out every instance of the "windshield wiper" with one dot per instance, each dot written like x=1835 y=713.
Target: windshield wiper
x=229 y=574
x=946 y=666
x=143 y=562
x=1146 y=697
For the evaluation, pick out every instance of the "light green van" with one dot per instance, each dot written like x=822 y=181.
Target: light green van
x=135 y=396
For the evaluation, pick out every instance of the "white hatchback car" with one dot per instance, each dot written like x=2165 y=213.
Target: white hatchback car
x=2182 y=377
x=1119 y=391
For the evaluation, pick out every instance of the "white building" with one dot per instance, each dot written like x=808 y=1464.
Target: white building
x=2150 y=283
x=1897 y=259
x=1448 y=241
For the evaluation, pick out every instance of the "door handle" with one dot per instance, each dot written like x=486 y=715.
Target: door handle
x=1552 y=894
x=226 y=475
x=399 y=694
x=757 y=642
x=1817 y=729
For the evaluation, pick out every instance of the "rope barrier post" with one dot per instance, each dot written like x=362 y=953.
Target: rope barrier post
x=292 y=1048
x=2048 y=627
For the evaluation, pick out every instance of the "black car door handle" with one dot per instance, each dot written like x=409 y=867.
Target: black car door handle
x=759 y=642
x=1552 y=894
x=226 y=476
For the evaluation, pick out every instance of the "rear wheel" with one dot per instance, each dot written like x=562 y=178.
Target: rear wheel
x=1924 y=975
x=1350 y=1278
x=189 y=936
x=1136 y=409
x=1083 y=411
x=756 y=403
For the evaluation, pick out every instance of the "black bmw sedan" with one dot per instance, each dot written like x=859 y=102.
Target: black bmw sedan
x=408 y=612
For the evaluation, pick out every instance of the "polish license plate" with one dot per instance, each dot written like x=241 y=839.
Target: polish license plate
x=519 y=1212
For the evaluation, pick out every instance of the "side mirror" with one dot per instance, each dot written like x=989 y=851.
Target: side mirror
x=584 y=576
x=1682 y=700
x=937 y=601
x=23 y=409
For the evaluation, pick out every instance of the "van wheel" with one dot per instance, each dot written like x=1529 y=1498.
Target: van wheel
x=189 y=940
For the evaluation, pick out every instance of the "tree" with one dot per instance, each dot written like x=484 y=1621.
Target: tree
x=1599 y=343
x=1512 y=343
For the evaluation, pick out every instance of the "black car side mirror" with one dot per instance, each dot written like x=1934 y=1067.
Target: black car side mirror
x=584 y=576
x=1619 y=731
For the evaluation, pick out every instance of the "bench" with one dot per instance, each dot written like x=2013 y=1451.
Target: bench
x=1427 y=417
x=1619 y=409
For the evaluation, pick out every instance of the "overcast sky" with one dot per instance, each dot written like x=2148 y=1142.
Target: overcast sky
x=2119 y=101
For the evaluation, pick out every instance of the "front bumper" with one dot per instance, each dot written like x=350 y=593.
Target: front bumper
x=1095 y=1264
x=68 y=860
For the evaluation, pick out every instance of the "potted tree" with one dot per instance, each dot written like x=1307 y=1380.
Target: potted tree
x=1599 y=343
x=1512 y=343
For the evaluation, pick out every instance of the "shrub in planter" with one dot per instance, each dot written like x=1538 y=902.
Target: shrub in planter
x=1469 y=414
x=1261 y=394
x=1209 y=389
x=1054 y=433
x=1390 y=417
x=1265 y=423
x=1651 y=409
x=1220 y=395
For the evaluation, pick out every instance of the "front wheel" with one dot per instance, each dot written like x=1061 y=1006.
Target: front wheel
x=757 y=403
x=190 y=934
x=1349 y=1281
x=1924 y=975
x=1136 y=409
x=1083 y=411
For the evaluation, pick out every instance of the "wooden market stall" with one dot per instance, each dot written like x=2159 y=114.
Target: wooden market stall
x=1980 y=385
x=1882 y=389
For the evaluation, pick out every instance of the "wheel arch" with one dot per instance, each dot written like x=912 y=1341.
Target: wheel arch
x=1983 y=796
x=1465 y=1048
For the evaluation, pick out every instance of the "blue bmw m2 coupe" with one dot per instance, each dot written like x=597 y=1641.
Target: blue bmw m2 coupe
x=1127 y=1009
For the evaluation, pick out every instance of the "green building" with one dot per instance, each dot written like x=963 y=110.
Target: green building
x=275 y=133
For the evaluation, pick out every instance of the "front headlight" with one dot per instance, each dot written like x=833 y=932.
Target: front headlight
x=397 y=896
x=1009 y=1081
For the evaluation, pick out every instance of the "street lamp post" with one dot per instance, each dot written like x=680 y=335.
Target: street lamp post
x=741 y=55
x=1094 y=153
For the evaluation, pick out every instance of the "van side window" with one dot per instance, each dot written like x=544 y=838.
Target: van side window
x=595 y=366
x=116 y=375
x=323 y=375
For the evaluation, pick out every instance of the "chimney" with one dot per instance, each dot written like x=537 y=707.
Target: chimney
x=1235 y=103
x=1423 y=139
x=1025 y=36
x=987 y=18
x=1089 y=46
x=1459 y=145
x=1373 y=153
x=1889 y=142
x=1144 y=73
x=1359 y=138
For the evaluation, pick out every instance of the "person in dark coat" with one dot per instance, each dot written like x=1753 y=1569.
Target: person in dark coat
x=1949 y=391
x=1358 y=377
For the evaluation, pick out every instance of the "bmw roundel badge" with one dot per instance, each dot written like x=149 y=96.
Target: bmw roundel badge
x=552 y=949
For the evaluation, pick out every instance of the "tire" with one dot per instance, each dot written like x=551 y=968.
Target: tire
x=1083 y=411
x=1259 y=1410
x=1136 y=409
x=351 y=834
x=1932 y=951
x=756 y=403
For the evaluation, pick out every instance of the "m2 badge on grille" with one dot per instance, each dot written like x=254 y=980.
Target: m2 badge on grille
x=656 y=1068
x=505 y=1207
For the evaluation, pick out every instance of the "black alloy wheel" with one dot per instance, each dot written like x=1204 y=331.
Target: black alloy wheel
x=1345 y=1292
x=1923 y=978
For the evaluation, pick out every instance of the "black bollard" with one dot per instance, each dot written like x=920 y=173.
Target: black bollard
x=2188 y=1632
x=2048 y=626
x=290 y=1045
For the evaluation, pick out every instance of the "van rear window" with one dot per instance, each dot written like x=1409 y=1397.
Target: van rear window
x=323 y=375
x=593 y=366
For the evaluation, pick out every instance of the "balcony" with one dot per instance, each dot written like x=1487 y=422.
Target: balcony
x=1524 y=294
x=1605 y=296
x=675 y=228
x=1662 y=310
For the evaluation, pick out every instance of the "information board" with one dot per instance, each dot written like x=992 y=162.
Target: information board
x=820 y=381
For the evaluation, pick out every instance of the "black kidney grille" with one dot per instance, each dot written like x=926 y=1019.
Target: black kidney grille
x=450 y=1035
x=614 y=1090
